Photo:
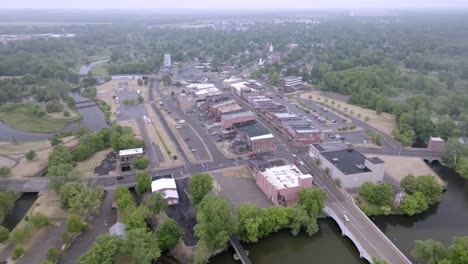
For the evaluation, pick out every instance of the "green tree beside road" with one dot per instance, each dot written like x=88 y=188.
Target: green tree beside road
x=199 y=185
x=142 y=183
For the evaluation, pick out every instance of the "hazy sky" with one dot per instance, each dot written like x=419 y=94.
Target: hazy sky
x=250 y=4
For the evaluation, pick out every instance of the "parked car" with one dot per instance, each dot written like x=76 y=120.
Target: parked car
x=186 y=139
x=333 y=121
x=295 y=156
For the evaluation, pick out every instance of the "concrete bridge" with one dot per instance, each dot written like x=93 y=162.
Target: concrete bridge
x=241 y=253
x=366 y=236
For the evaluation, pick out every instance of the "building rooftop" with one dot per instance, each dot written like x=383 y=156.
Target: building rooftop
x=253 y=130
x=171 y=194
x=164 y=183
x=262 y=137
x=237 y=115
x=330 y=146
x=117 y=229
x=298 y=123
x=228 y=102
x=285 y=115
x=230 y=108
x=200 y=86
x=127 y=152
x=463 y=140
x=375 y=160
x=347 y=161
x=292 y=78
x=437 y=139
x=283 y=177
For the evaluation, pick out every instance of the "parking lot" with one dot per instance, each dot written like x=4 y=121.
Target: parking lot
x=129 y=112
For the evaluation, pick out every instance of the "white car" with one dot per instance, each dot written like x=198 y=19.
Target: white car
x=345 y=217
x=295 y=156
x=178 y=126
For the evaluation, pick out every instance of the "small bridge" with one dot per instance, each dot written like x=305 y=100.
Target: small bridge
x=235 y=243
x=368 y=239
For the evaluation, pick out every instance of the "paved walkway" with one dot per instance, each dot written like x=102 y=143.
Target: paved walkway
x=99 y=223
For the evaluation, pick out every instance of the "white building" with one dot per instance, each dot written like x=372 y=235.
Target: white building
x=168 y=188
x=167 y=60
x=292 y=82
x=347 y=165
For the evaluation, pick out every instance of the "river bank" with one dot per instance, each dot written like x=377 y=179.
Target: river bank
x=441 y=222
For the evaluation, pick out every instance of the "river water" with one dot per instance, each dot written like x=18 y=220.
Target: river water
x=442 y=222
x=17 y=213
x=93 y=118
x=85 y=68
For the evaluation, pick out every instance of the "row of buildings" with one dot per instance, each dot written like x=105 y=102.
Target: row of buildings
x=232 y=119
x=295 y=127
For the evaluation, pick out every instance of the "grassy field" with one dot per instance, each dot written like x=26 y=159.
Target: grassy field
x=24 y=120
x=100 y=69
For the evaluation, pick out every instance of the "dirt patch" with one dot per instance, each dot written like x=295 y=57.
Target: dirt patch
x=400 y=167
x=6 y=162
x=48 y=203
x=8 y=147
x=87 y=167
x=384 y=122
x=223 y=146
x=241 y=171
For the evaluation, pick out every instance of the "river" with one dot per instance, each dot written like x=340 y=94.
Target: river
x=93 y=118
x=17 y=213
x=442 y=222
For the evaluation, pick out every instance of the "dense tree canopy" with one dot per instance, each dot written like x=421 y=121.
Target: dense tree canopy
x=199 y=185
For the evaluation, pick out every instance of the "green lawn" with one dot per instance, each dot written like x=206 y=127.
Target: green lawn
x=21 y=119
x=100 y=69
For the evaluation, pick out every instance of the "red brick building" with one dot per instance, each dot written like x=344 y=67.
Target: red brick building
x=229 y=120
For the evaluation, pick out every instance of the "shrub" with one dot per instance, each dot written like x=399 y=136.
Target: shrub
x=4 y=234
x=4 y=171
x=30 y=155
x=18 y=235
x=17 y=252
x=53 y=107
x=66 y=114
x=39 y=219
x=52 y=255
x=74 y=224
x=140 y=163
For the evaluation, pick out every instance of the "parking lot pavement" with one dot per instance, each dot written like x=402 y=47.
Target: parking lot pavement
x=194 y=143
x=240 y=189
x=130 y=112
x=353 y=137
x=184 y=213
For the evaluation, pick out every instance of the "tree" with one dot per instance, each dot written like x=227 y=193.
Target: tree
x=458 y=253
x=7 y=201
x=141 y=245
x=17 y=252
x=168 y=234
x=166 y=79
x=413 y=204
x=426 y=184
x=379 y=107
x=80 y=197
x=462 y=167
x=60 y=155
x=274 y=218
x=299 y=219
x=123 y=198
x=140 y=82
x=103 y=250
x=75 y=224
x=379 y=194
x=215 y=224
x=4 y=171
x=312 y=200
x=141 y=162
x=199 y=185
x=201 y=253
x=61 y=174
x=134 y=218
x=142 y=183
x=249 y=218
x=4 y=234
x=30 y=155
x=453 y=150
x=156 y=203
x=428 y=251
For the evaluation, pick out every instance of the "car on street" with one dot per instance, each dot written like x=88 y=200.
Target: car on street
x=186 y=139
x=178 y=126
x=295 y=156
x=333 y=121
x=345 y=217
x=119 y=177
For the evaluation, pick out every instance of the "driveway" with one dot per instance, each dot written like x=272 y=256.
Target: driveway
x=98 y=223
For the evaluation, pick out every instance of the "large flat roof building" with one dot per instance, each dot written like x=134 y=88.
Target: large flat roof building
x=346 y=164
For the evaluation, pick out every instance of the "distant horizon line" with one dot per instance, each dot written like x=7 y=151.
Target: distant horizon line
x=434 y=8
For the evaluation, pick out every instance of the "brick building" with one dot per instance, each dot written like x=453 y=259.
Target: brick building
x=281 y=184
x=258 y=137
x=436 y=144
x=229 y=120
